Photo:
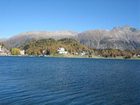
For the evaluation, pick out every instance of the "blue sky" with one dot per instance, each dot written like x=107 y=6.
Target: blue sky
x=18 y=16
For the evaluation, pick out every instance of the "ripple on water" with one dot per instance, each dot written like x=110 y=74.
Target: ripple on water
x=36 y=81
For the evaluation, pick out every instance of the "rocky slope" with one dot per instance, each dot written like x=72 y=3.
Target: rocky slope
x=23 y=38
x=118 y=38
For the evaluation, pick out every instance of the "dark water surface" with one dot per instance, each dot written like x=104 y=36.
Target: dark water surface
x=61 y=81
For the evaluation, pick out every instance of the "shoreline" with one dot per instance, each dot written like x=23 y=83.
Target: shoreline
x=63 y=56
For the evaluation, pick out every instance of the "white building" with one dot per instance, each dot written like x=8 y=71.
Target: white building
x=62 y=51
x=83 y=53
x=4 y=51
x=22 y=52
x=138 y=55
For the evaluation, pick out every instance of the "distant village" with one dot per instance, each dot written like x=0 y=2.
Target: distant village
x=60 y=51
x=16 y=51
x=4 y=51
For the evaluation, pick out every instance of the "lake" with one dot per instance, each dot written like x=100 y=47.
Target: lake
x=69 y=81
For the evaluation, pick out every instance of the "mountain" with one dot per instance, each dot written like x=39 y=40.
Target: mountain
x=123 y=38
x=18 y=40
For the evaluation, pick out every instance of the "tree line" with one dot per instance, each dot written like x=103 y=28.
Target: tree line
x=50 y=46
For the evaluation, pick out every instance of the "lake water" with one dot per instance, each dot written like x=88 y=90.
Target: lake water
x=67 y=81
